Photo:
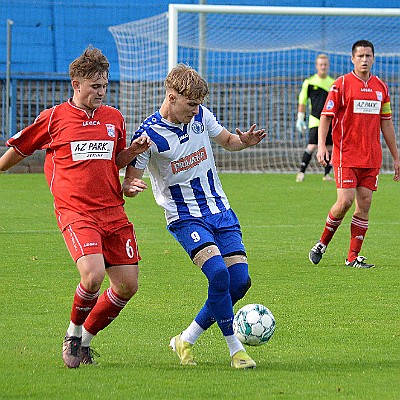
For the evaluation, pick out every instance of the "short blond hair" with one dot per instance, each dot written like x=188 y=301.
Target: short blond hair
x=322 y=56
x=187 y=82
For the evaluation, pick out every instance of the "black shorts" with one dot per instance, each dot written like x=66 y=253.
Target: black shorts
x=313 y=136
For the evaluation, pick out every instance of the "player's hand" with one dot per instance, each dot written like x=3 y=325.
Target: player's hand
x=396 y=177
x=132 y=187
x=140 y=145
x=323 y=156
x=252 y=136
x=301 y=126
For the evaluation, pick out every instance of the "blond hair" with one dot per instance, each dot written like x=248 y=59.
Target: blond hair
x=187 y=82
x=322 y=56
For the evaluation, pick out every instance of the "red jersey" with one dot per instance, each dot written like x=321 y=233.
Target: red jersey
x=80 y=164
x=357 y=108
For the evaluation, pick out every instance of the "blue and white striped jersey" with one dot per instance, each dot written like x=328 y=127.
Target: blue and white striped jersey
x=181 y=164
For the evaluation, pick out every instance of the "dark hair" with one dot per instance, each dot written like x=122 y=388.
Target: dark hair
x=362 y=43
x=91 y=63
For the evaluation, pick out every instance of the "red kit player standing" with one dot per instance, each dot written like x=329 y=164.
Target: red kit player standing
x=85 y=143
x=358 y=105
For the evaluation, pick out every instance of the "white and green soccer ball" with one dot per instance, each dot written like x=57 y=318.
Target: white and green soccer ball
x=254 y=324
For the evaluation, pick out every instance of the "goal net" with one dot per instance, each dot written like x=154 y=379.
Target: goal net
x=255 y=60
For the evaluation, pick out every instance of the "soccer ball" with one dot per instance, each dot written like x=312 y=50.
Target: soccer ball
x=254 y=324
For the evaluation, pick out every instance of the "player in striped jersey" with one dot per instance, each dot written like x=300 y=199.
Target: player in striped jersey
x=358 y=106
x=185 y=183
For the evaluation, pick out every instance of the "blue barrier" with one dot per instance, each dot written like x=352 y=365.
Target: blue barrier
x=31 y=94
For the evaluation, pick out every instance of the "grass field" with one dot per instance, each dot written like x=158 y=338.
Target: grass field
x=338 y=329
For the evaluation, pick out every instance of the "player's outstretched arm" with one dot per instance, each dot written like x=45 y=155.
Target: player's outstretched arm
x=133 y=183
x=139 y=145
x=9 y=159
x=241 y=140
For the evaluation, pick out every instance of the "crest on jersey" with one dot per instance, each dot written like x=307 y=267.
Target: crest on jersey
x=379 y=95
x=110 y=130
x=197 y=127
x=330 y=105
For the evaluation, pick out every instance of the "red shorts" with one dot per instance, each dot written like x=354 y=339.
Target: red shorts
x=116 y=240
x=348 y=178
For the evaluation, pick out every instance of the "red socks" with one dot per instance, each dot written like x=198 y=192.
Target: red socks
x=331 y=226
x=358 y=229
x=93 y=311
x=83 y=304
x=106 y=310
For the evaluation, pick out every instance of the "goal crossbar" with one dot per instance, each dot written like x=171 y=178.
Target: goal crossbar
x=338 y=11
x=174 y=9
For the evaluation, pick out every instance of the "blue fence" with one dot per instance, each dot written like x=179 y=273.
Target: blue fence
x=29 y=95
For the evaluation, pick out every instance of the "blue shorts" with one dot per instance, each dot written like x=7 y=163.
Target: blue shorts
x=222 y=230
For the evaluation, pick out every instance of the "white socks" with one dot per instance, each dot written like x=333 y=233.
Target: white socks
x=80 y=331
x=86 y=338
x=74 y=330
x=234 y=344
x=192 y=332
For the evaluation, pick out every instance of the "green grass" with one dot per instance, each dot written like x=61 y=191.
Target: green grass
x=338 y=329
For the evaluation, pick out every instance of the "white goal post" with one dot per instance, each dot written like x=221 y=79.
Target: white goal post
x=254 y=59
x=175 y=9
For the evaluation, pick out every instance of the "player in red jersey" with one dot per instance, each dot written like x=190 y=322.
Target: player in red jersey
x=358 y=105
x=85 y=144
